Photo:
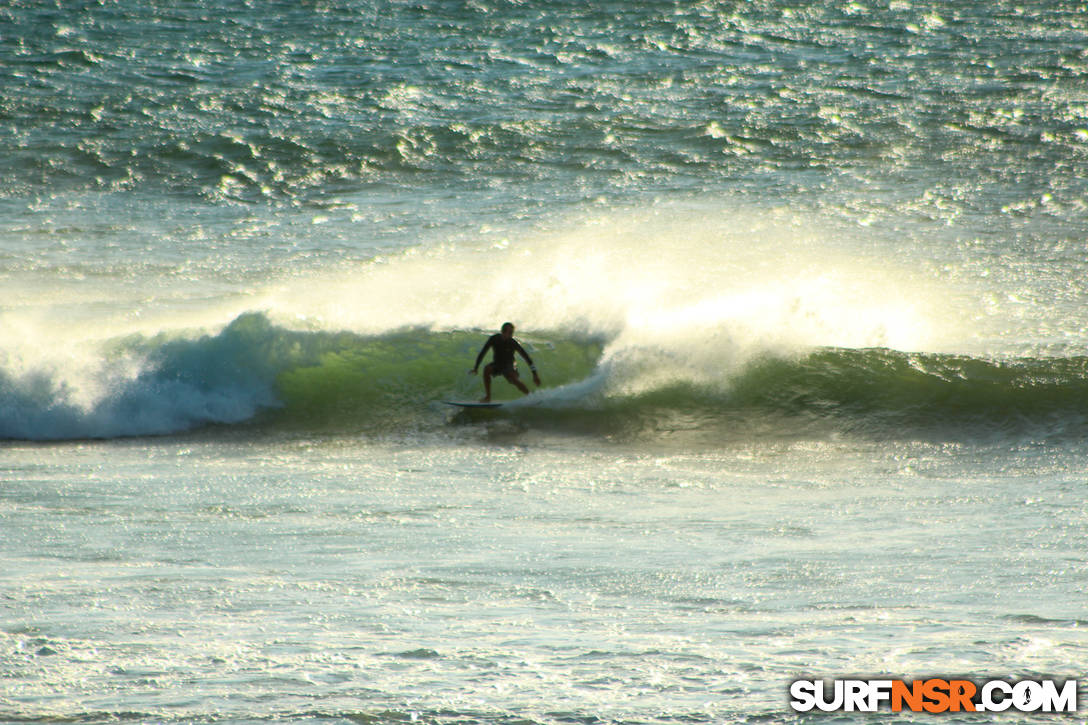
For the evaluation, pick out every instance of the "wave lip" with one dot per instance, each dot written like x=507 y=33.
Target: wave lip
x=181 y=384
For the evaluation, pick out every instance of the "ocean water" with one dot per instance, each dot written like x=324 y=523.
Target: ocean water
x=806 y=283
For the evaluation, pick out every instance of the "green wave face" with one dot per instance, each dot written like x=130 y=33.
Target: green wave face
x=917 y=388
x=392 y=381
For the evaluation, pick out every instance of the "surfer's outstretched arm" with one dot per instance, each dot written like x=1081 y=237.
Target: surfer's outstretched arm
x=480 y=357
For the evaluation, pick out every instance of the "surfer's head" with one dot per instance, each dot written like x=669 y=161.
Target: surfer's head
x=508 y=330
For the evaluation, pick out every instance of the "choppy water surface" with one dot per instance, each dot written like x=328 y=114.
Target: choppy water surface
x=251 y=582
x=805 y=286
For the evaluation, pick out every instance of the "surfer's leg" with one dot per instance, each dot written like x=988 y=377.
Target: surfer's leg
x=516 y=382
x=487 y=384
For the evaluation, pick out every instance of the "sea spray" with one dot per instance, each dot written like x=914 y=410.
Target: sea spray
x=717 y=287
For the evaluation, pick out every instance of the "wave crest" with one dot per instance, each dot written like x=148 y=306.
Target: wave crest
x=265 y=375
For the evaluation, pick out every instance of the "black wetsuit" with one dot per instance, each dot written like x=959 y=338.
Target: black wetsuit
x=503 y=362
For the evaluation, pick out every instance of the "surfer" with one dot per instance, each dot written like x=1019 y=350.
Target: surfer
x=503 y=345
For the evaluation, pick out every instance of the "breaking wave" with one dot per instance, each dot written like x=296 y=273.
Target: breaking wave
x=258 y=374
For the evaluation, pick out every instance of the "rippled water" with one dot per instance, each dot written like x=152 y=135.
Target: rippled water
x=805 y=284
